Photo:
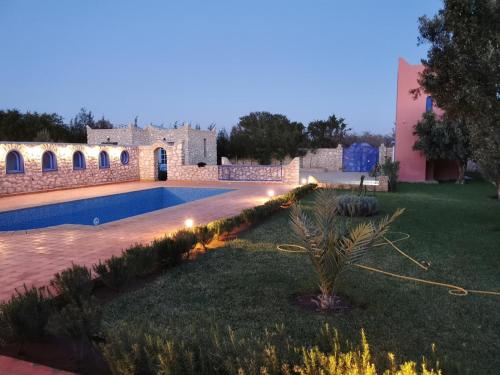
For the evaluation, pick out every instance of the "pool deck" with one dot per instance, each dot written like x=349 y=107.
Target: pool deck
x=33 y=257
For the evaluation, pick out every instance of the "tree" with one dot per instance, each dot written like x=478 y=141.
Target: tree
x=223 y=145
x=33 y=126
x=103 y=124
x=462 y=73
x=327 y=133
x=83 y=119
x=264 y=136
x=373 y=139
x=444 y=139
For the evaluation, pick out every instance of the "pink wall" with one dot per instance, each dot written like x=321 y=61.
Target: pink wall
x=412 y=164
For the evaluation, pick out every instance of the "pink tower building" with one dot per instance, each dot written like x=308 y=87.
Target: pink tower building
x=413 y=166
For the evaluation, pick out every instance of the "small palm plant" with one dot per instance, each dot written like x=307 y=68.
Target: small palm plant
x=333 y=243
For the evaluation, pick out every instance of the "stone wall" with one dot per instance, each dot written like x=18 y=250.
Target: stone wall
x=384 y=154
x=291 y=172
x=325 y=158
x=65 y=176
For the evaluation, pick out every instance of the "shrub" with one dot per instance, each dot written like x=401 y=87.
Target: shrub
x=353 y=205
x=184 y=241
x=391 y=170
x=74 y=284
x=81 y=323
x=141 y=260
x=222 y=226
x=130 y=350
x=203 y=235
x=113 y=272
x=171 y=251
x=25 y=315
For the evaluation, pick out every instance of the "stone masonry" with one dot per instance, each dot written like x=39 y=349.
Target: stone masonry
x=199 y=145
x=65 y=176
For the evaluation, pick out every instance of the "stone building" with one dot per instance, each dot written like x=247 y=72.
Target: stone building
x=198 y=145
x=125 y=154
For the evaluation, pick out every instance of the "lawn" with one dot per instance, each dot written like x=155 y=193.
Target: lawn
x=249 y=285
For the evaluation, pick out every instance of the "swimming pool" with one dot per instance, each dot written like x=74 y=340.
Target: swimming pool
x=100 y=210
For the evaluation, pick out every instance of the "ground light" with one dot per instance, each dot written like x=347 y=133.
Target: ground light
x=303 y=181
x=189 y=223
x=270 y=193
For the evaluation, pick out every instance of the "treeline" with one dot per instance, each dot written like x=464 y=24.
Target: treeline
x=263 y=136
x=47 y=127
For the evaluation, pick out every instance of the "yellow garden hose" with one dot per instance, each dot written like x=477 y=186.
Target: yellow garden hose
x=452 y=289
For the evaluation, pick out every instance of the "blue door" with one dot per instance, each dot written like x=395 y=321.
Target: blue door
x=359 y=157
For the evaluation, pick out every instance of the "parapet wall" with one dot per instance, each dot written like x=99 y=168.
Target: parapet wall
x=32 y=178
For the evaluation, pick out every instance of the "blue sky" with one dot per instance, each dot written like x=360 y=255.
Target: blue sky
x=209 y=61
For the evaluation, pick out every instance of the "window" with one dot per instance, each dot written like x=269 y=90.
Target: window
x=14 y=162
x=49 y=161
x=78 y=160
x=428 y=104
x=204 y=147
x=103 y=160
x=124 y=157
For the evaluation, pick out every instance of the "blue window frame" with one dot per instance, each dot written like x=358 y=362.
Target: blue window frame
x=49 y=162
x=103 y=160
x=78 y=160
x=14 y=162
x=428 y=104
x=124 y=157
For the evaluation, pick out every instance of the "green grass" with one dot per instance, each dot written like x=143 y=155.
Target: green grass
x=249 y=285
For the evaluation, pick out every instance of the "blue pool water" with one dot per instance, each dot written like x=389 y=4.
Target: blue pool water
x=100 y=210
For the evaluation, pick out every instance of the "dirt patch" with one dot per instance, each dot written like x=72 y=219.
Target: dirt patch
x=310 y=302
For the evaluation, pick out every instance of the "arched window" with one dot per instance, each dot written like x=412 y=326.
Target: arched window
x=49 y=162
x=14 y=162
x=124 y=157
x=428 y=104
x=78 y=160
x=103 y=160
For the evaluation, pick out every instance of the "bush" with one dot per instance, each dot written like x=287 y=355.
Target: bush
x=25 y=315
x=203 y=235
x=129 y=350
x=81 y=323
x=353 y=205
x=73 y=284
x=219 y=227
x=141 y=260
x=391 y=170
x=171 y=251
x=113 y=272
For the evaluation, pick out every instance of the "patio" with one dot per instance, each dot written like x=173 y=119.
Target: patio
x=33 y=257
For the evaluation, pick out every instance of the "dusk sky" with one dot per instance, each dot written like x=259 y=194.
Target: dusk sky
x=209 y=61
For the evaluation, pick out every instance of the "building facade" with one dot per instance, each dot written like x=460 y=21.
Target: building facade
x=413 y=165
x=200 y=146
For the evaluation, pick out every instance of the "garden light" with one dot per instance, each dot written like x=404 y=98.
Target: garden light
x=303 y=181
x=189 y=223
x=270 y=193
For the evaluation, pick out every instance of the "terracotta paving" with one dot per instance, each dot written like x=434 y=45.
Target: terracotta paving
x=14 y=366
x=33 y=257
